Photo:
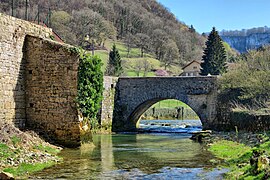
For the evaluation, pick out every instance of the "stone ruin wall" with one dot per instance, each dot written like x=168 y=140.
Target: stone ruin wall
x=51 y=89
x=12 y=88
x=107 y=103
x=38 y=81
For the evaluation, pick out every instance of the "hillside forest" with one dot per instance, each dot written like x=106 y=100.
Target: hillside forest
x=143 y=30
x=148 y=37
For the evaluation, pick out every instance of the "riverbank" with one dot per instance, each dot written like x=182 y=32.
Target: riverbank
x=245 y=154
x=169 y=113
x=22 y=153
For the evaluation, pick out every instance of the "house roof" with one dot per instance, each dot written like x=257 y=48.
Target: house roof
x=55 y=35
x=191 y=63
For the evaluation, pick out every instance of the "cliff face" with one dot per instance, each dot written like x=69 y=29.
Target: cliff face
x=245 y=43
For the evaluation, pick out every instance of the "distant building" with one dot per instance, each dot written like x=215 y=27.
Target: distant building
x=191 y=69
x=161 y=72
x=54 y=36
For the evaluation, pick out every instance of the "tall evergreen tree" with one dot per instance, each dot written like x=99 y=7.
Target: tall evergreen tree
x=114 y=67
x=214 y=58
x=192 y=29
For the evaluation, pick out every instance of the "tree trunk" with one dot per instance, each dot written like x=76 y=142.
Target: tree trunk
x=93 y=48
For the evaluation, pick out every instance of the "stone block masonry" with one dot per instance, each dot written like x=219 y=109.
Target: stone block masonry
x=107 y=103
x=12 y=86
x=38 y=81
x=51 y=89
x=135 y=95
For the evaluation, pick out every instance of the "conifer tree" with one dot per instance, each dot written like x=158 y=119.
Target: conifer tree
x=192 y=29
x=214 y=58
x=114 y=67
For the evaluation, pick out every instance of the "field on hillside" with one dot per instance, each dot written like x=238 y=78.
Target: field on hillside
x=170 y=103
x=134 y=65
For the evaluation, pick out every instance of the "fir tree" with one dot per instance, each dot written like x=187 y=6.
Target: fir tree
x=214 y=58
x=192 y=29
x=114 y=67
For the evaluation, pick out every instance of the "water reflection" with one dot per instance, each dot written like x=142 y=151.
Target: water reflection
x=133 y=156
x=105 y=145
x=149 y=153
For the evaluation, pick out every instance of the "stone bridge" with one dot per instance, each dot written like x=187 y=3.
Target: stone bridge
x=134 y=96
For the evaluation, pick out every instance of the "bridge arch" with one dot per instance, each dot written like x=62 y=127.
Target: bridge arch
x=135 y=95
x=141 y=108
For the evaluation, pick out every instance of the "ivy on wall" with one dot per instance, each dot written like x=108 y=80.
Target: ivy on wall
x=90 y=85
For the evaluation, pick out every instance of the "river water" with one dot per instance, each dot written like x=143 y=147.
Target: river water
x=165 y=153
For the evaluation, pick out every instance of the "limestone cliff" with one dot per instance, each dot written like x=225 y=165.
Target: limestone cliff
x=244 y=43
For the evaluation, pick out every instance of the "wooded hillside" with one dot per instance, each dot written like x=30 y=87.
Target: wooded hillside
x=144 y=24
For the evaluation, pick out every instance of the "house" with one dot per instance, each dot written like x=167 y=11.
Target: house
x=191 y=69
x=54 y=35
x=161 y=72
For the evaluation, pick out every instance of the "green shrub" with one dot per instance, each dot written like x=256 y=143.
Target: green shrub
x=90 y=87
x=249 y=81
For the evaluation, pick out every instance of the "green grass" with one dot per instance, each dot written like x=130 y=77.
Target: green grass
x=233 y=153
x=15 y=140
x=104 y=56
x=166 y=109
x=130 y=64
x=24 y=168
x=170 y=103
x=229 y=150
x=266 y=146
x=123 y=50
x=237 y=157
x=47 y=149
x=5 y=151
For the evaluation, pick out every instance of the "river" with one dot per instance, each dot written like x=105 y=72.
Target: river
x=165 y=153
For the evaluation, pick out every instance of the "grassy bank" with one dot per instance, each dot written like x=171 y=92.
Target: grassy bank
x=170 y=109
x=23 y=153
x=246 y=155
x=20 y=161
x=170 y=103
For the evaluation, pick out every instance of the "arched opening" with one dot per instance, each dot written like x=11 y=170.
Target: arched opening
x=169 y=116
x=166 y=116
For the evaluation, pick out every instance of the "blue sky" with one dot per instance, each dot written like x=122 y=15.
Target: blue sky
x=223 y=14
